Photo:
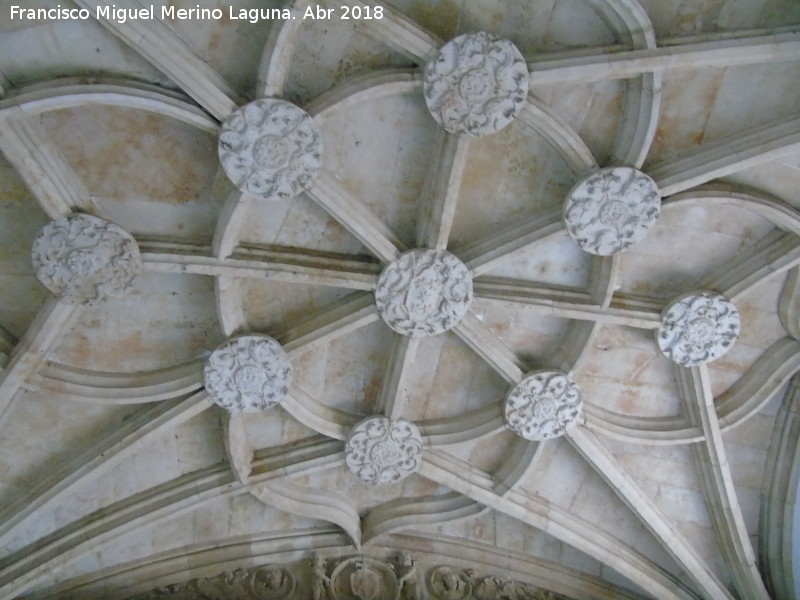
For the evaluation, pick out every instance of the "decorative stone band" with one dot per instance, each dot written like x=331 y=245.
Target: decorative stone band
x=270 y=149
x=612 y=209
x=352 y=578
x=381 y=451
x=424 y=292
x=86 y=260
x=248 y=373
x=697 y=328
x=543 y=405
x=476 y=84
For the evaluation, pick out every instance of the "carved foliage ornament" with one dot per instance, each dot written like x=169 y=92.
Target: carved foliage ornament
x=85 y=260
x=424 y=292
x=609 y=211
x=543 y=405
x=698 y=328
x=450 y=583
x=476 y=84
x=265 y=583
x=248 y=374
x=381 y=451
x=270 y=149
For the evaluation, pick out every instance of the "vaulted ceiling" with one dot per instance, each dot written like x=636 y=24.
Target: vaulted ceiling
x=119 y=475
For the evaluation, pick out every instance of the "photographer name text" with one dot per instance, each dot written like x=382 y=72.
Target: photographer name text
x=251 y=15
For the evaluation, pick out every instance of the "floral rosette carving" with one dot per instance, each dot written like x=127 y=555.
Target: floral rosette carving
x=424 y=292
x=543 y=405
x=698 y=328
x=248 y=374
x=381 y=451
x=85 y=260
x=609 y=211
x=476 y=84
x=270 y=149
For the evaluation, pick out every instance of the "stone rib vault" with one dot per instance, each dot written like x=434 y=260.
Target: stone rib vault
x=464 y=300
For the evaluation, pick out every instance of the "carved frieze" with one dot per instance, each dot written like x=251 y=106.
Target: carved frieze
x=381 y=451
x=543 y=405
x=697 y=328
x=85 y=260
x=264 y=583
x=350 y=578
x=476 y=84
x=612 y=209
x=450 y=583
x=248 y=373
x=270 y=149
x=424 y=292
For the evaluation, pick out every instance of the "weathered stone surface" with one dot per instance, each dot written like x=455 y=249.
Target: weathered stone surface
x=543 y=405
x=248 y=374
x=612 y=209
x=698 y=328
x=85 y=260
x=380 y=450
x=476 y=84
x=270 y=149
x=424 y=292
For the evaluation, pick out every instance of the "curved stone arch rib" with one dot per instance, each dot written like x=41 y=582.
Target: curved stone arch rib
x=557 y=522
x=742 y=400
x=320 y=417
x=84 y=385
x=48 y=326
x=162 y=47
x=759 y=384
x=22 y=570
x=745 y=49
x=230 y=304
x=364 y=88
x=547 y=123
x=642 y=103
x=749 y=148
x=60 y=94
x=780 y=213
x=395 y=30
x=278 y=51
x=650 y=431
x=49 y=177
x=776 y=519
x=490 y=252
x=406 y=513
x=717 y=483
x=775 y=253
x=438 y=433
x=317 y=503
x=97 y=459
x=440 y=192
x=789 y=304
x=623 y=485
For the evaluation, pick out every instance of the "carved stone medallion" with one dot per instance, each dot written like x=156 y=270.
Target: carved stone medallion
x=448 y=583
x=363 y=578
x=609 y=211
x=424 y=292
x=543 y=405
x=381 y=450
x=248 y=374
x=270 y=149
x=476 y=84
x=85 y=260
x=698 y=328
